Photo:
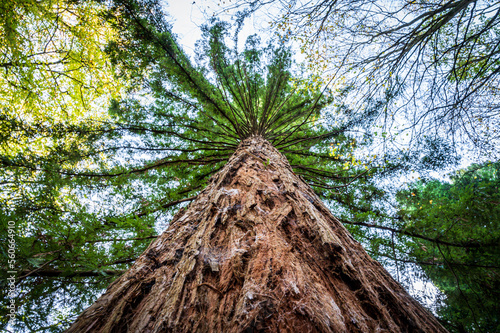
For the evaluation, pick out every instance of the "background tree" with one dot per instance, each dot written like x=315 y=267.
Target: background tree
x=52 y=57
x=465 y=211
x=55 y=79
x=53 y=67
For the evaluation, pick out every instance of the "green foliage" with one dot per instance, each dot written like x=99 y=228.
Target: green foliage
x=61 y=235
x=465 y=212
x=53 y=67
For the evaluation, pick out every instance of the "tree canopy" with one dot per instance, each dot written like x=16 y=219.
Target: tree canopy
x=52 y=60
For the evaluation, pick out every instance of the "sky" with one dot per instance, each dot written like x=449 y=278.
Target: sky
x=187 y=17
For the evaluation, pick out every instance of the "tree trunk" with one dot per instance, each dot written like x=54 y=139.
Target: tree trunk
x=257 y=251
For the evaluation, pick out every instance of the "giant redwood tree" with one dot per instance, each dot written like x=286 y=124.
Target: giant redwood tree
x=255 y=249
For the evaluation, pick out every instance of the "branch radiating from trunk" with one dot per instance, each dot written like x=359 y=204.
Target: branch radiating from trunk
x=256 y=251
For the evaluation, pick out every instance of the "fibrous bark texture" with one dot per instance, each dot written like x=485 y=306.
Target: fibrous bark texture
x=257 y=251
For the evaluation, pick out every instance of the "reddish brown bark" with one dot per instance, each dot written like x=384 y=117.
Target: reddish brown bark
x=257 y=251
